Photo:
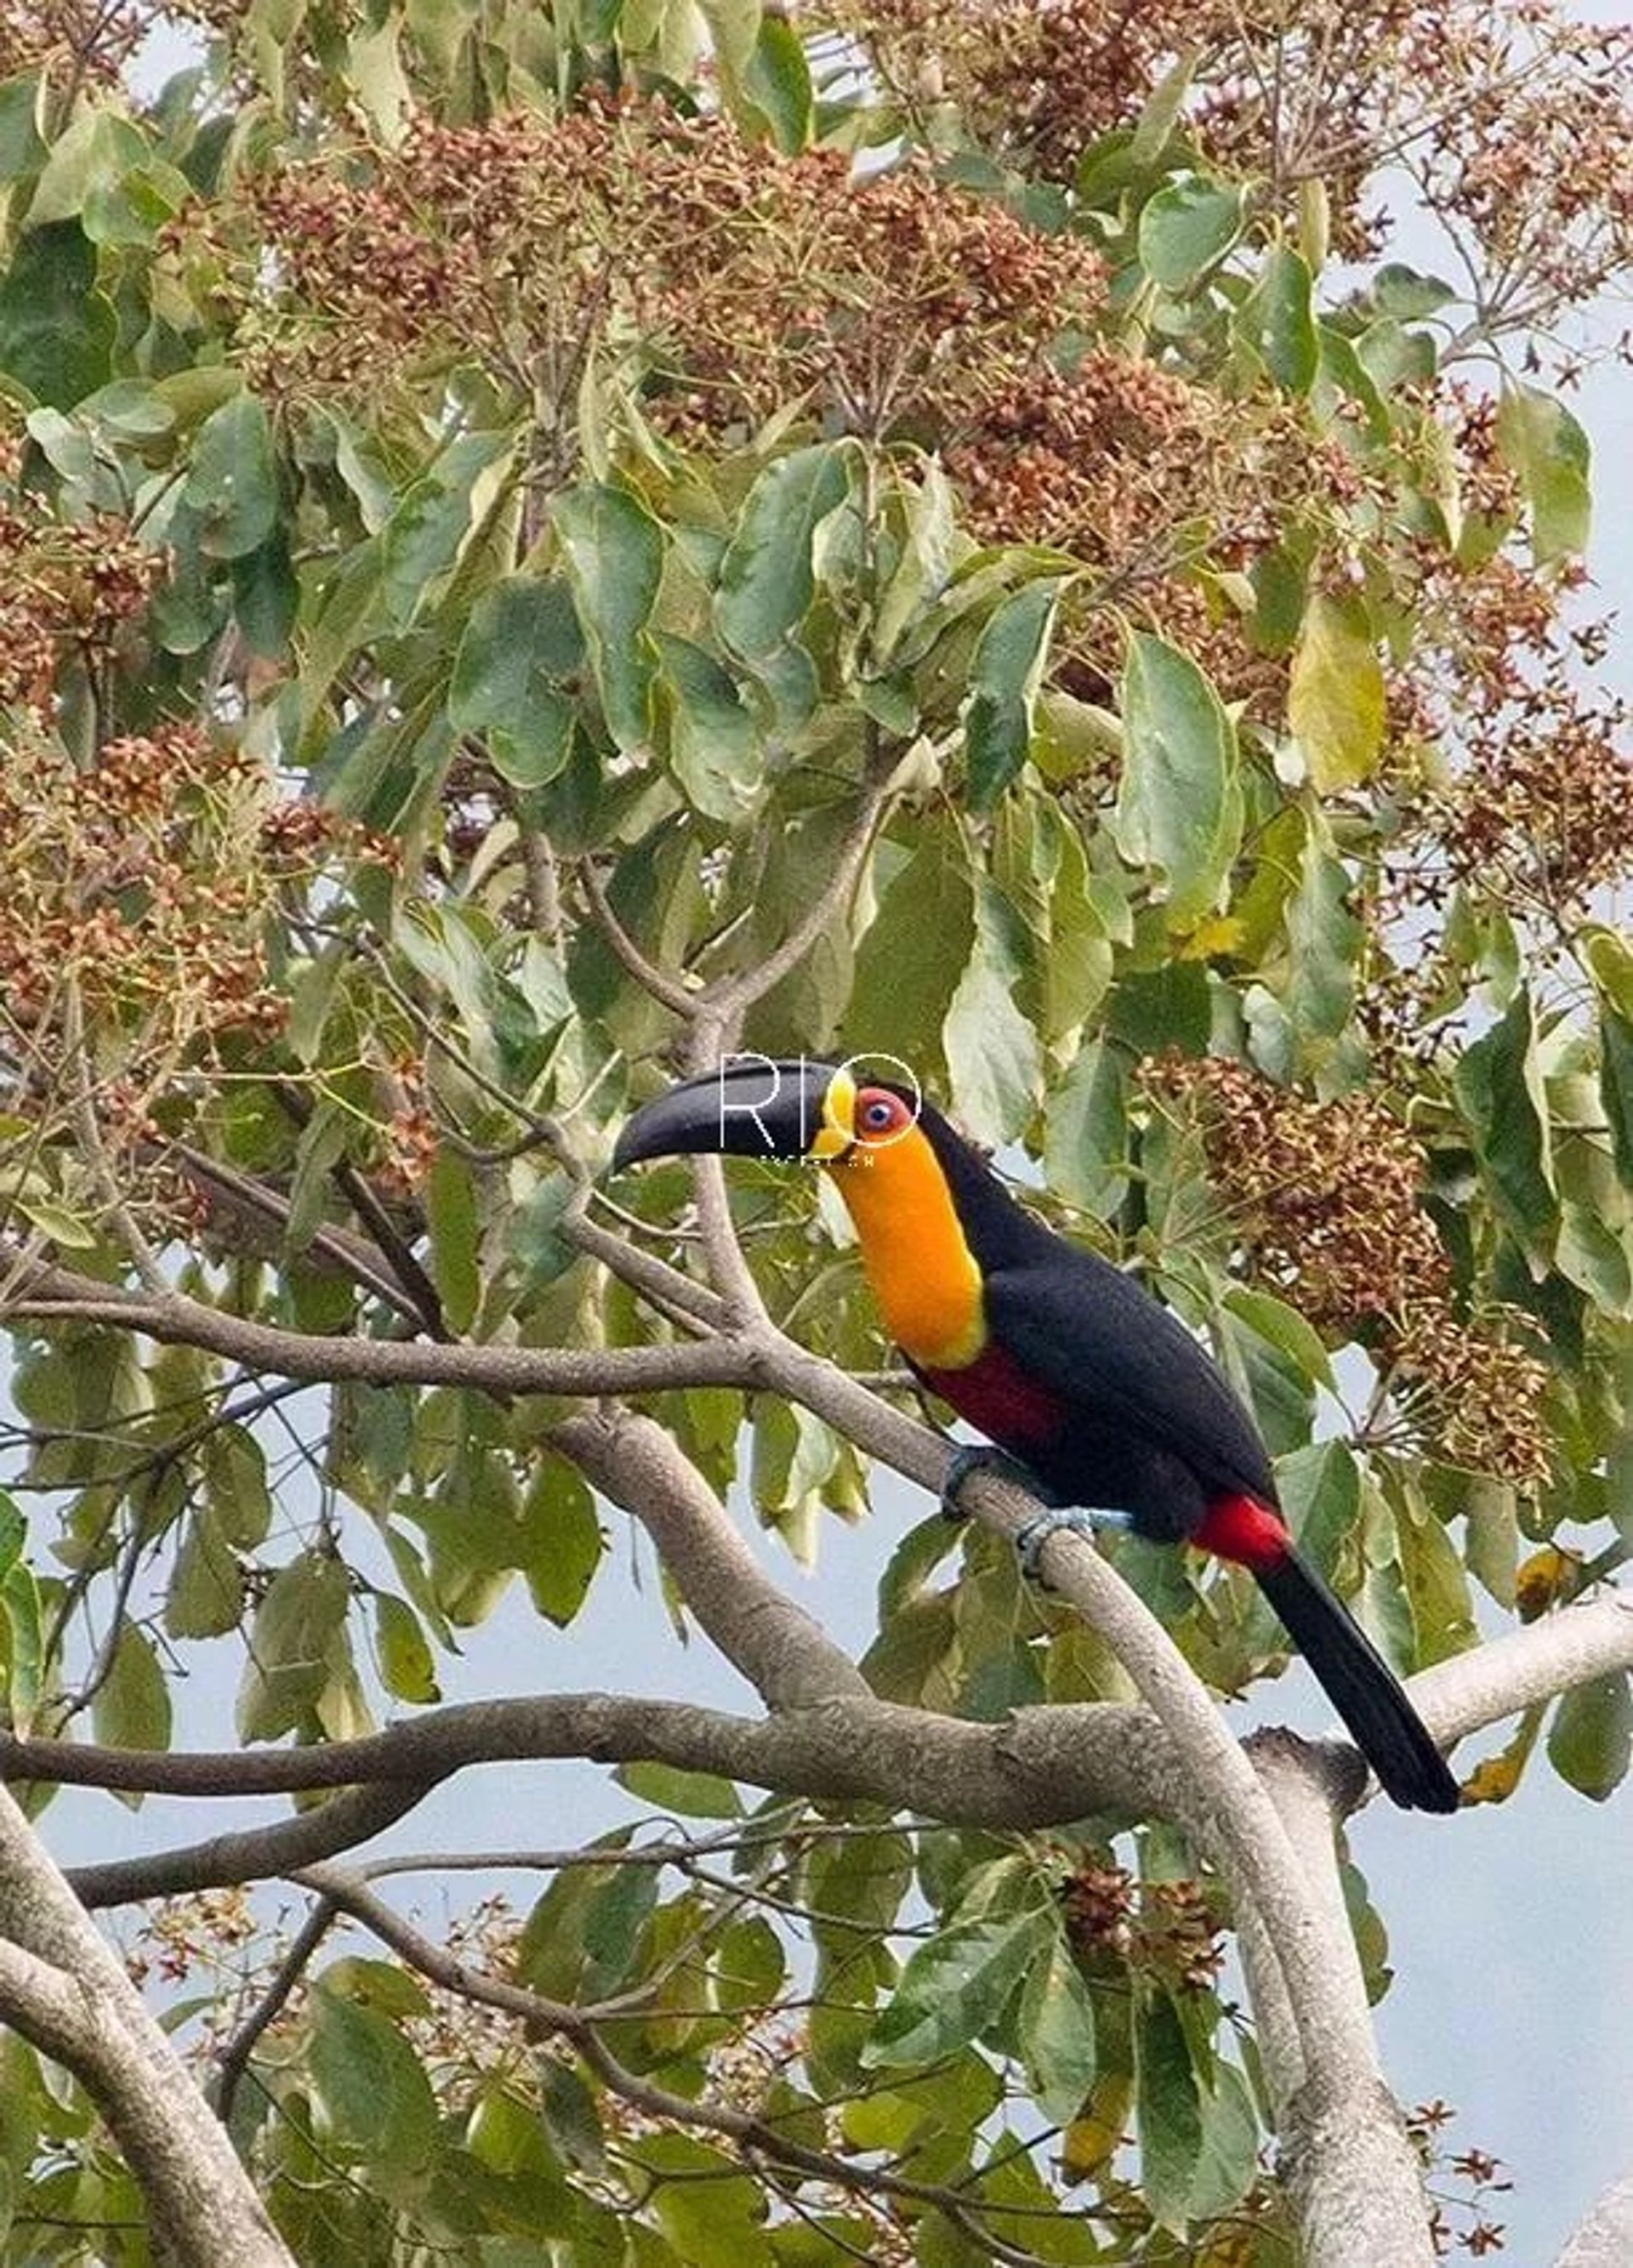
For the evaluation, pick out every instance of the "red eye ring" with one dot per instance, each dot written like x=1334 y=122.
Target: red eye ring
x=878 y=1114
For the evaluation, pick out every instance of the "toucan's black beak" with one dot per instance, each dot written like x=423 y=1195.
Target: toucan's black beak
x=752 y=1107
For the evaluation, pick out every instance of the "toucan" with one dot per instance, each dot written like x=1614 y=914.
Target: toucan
x=1111 y=1410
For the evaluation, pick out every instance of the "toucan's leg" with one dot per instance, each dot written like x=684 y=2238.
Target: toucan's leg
x=977 y=1457
x=1069 y=1519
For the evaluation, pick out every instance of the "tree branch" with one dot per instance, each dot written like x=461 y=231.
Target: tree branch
x=63 y=1987
x=758 y=2138
x=666 y=990
x=1045 y=1765
x=51 y=1293
x=1350 y=2166
x=1605 y=2239
x=778 y=1646
x=233 y=2059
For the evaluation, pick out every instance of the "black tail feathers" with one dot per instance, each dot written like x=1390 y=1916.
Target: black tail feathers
x=1361 y=1687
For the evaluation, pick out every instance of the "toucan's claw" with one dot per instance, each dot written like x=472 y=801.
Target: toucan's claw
x=1058 y=1520
x=971 y=1457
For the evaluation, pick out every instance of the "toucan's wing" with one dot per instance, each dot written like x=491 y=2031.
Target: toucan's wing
x=1098 y=1340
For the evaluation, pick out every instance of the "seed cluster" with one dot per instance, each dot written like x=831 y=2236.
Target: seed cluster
x=1326 y=1196
x=1516 y=121
x=1169 y=1927
x=1152 y=479
x=76 y=39
x=65 y=588
x=131 y=877
x=727 y=281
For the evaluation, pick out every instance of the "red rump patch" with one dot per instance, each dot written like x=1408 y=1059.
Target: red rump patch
x=1240 y=1527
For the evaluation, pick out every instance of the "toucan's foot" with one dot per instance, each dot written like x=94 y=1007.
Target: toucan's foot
x=1069 y=1519
x=975 y=1457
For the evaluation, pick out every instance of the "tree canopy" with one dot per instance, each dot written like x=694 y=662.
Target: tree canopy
x=546 y=545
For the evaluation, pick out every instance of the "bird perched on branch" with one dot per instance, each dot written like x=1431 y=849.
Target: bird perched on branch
x=1111 y=1409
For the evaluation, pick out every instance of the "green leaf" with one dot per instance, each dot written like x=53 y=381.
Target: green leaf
x=70 y=1230
x=1277 y=321
x=921 y=518
x=1436 y=1583
x=13 y=1532
x=767 y=580
x=1086 y=1131
x=406 y=1668
x=425 y=537
x=1407 y=294
x=296 y=1644
x=1179 y=802
x=694 y=1794
x=777 y=82
x=1335 y=696
x=560 y=1507
x=133 y=207
x=613 y=552
x=1615 y=1084
x=1229 y=2156
x=131 y=1706
x=231 y=486
x=1004 y=680
x=57 y=329
x=206 y=1593
x=266 y=597
x=911 y=960
x=1590 y=1738
x=1055 y=2031
x=1283 y=1327
x=98 y=147
x=953 y=1987
x=995 y=1057
x=1168 y=2111
x=24 y=1640
x=235 y=1485
x=1185 y=228
x=714 y=744
x=710 y=2210
x=1499 y=1084
x=22 y=151
x=522 y=646
x=1323 y=940
x=1549 y=451
x=371 y=2087
x=455 y=1238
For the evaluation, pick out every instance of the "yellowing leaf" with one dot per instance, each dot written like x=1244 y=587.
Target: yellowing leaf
x=1336 y=700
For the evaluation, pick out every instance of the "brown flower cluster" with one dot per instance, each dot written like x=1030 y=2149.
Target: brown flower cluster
x=1169 y=1927
x=730 y=280
x=65 y=587
x=1516 y=120
x=1324 y=1196
x=77 y=40
x=1528 y=796
x=1035 y=84
x=133 y=885
x=1544 y=808
x=1151 y=479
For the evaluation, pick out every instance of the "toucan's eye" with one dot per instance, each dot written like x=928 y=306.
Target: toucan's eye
x=877 y=1115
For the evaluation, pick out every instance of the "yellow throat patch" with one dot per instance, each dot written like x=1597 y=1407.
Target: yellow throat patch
x=923 y=1274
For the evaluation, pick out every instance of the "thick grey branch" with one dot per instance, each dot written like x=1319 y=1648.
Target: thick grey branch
x=49 y=1294
x=1045 y=1765
x=61 y=1987
x=777 y=1646
x=1346 y=2156
x=1605 y=2239
x=1509 y=1673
